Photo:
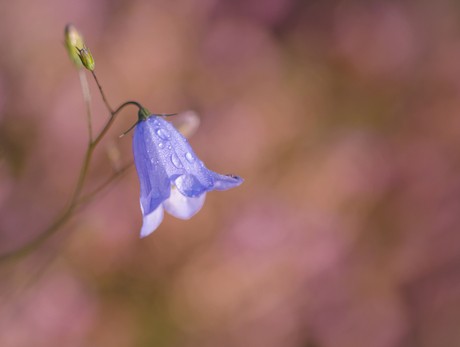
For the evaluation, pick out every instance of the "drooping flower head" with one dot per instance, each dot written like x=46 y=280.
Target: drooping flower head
x=170 y=174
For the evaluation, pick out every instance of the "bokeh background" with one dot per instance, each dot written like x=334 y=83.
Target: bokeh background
x=343 y=117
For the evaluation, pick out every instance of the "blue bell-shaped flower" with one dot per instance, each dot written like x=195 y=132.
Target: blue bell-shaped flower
x=170 y=174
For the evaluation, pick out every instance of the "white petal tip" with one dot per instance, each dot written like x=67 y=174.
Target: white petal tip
x=152 y=221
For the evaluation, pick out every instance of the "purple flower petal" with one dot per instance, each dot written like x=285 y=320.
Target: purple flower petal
x=154 y=182
x=163 y=157
x=151 y=220
x=224 y=182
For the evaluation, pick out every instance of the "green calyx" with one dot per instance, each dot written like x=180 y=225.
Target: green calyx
x=143 y=113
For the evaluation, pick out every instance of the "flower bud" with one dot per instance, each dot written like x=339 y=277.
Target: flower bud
x=73 y=41
x=86 y=58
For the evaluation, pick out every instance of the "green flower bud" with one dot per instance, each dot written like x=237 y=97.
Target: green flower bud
x=73 y=41
x=86 y=58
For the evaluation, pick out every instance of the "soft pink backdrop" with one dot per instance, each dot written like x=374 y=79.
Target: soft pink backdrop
x=343 y=117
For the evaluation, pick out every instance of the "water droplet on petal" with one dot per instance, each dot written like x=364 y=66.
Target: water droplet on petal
x=190 y=158
x=161 y=145
x=163 y=134
x=189 y=185
x=169 y=147
x=176 y=161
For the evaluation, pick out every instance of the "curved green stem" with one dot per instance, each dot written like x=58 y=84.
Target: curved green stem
x=112 y=119
x=75 y=200
x=102 y=92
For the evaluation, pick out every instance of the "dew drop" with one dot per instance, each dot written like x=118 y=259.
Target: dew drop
x=169 y=147
x=189 y=185
x=176 y=161
x=190 y=158
x=163 y=134
x=161 y=145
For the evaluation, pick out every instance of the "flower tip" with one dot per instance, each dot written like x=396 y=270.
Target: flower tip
x=235 y=177
x=152 y=221
x=224 y=182
x=144 y=234
x=238 y=179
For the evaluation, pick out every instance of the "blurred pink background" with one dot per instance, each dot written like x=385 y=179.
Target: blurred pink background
x=343 y=117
